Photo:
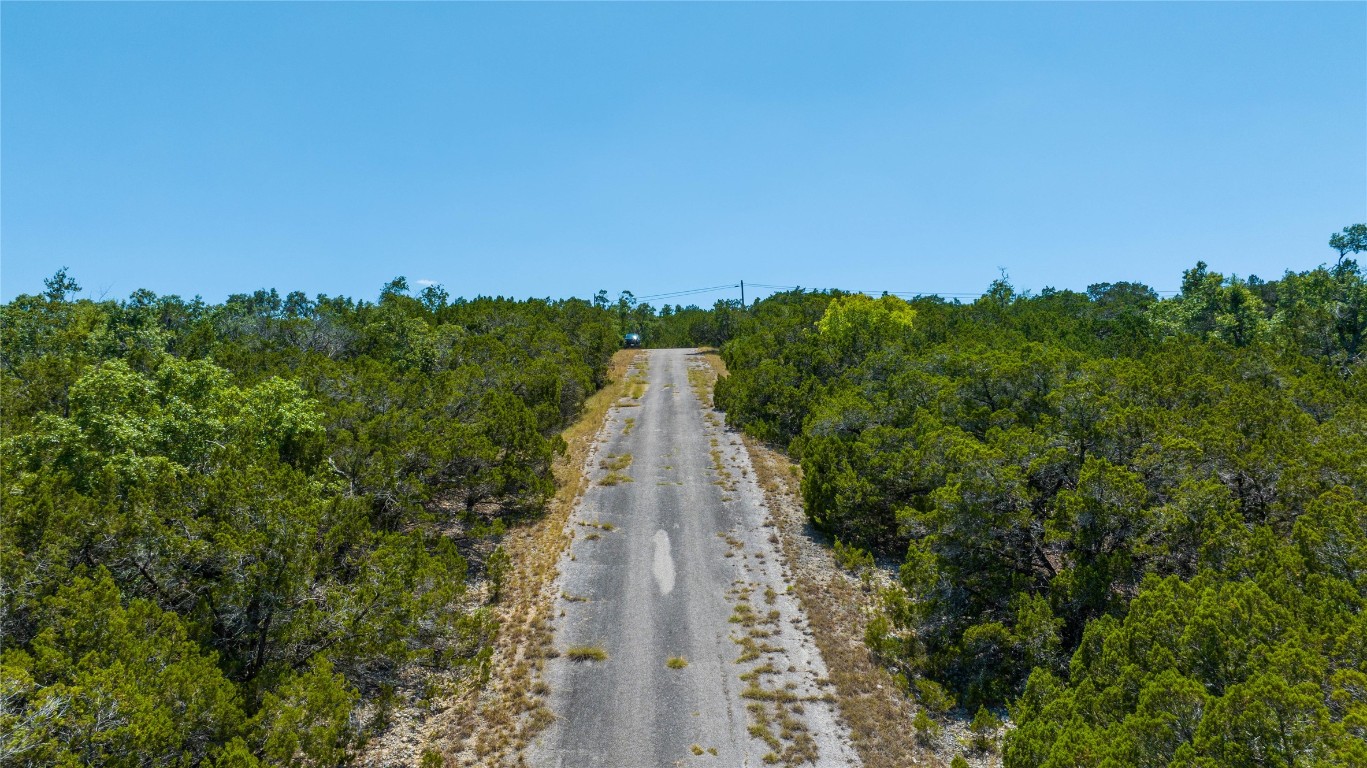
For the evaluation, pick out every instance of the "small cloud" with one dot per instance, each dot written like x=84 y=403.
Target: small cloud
x=424 y=283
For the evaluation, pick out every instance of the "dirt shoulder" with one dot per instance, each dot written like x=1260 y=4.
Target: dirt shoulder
x=490 y=724
x=838 y=607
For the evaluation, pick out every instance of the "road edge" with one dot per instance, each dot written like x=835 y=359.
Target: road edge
x=838 y=606
x=490 y=725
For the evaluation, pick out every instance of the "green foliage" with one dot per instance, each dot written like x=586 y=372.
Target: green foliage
x=496 y=567
x=224 y=524
x=852 y=558
x=927 y=730
x=984 y=729
x=1353 y=239
x=933 y=697
x=304 y=721
x=1138 y=522
x=105 y=684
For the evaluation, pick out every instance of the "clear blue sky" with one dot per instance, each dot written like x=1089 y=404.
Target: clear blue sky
x=554 y=149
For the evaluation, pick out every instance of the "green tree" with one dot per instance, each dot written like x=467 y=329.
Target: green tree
x=1353 y=239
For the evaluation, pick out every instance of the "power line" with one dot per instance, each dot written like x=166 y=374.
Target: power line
x=908 y=294
x=690 y=292
x=942 y=294
x=687 y=292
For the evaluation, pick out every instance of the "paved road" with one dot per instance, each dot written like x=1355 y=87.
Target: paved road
x=679 y=562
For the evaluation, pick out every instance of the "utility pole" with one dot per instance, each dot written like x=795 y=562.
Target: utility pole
x=742 y=294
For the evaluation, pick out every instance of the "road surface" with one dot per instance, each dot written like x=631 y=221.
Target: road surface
x=672 y=558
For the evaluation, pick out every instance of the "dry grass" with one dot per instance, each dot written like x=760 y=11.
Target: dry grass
x=586 y=653
x=616 y=462
x=489 y=725
x=703 y=375
x=879 y=716
x=615 y=478
x=637 y=379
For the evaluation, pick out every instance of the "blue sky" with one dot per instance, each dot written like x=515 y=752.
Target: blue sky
x=555 y=149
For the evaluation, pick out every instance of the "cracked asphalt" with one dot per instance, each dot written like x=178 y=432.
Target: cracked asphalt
x=656 y=569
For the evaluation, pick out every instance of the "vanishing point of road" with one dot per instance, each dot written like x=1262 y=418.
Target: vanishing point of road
x=673 y=558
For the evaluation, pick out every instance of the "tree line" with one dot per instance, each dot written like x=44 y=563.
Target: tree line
x=1137 y=525
x=673 y=326
x=225 y=524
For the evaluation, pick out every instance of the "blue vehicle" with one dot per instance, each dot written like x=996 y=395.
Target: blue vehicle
x=633 y=339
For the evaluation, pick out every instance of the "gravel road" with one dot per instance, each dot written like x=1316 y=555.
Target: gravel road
x=680 y=561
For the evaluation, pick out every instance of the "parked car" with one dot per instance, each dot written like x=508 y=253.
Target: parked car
x=633 y=339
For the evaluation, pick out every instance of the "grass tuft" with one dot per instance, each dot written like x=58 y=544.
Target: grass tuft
x=616 y=461
x=586 y=653
x=677 y=662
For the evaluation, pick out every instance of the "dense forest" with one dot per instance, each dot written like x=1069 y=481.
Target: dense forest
x=225 y=525
x=1136 y=525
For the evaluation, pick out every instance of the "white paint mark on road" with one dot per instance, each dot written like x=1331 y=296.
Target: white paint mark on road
x=663 y=567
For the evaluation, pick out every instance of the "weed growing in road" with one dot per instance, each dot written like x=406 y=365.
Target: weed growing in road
x=753 y=675
x=593 y=537
x=630 y=425
x=636 y=381
x=676 y=662
x=763 y=733
x=697 y=750
x=743 y=615
x=615 y=478
x=616 y=461
x=757 y=693
x=637 y=389
x=869 y=698
x=700 y=379
x=586 y=653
